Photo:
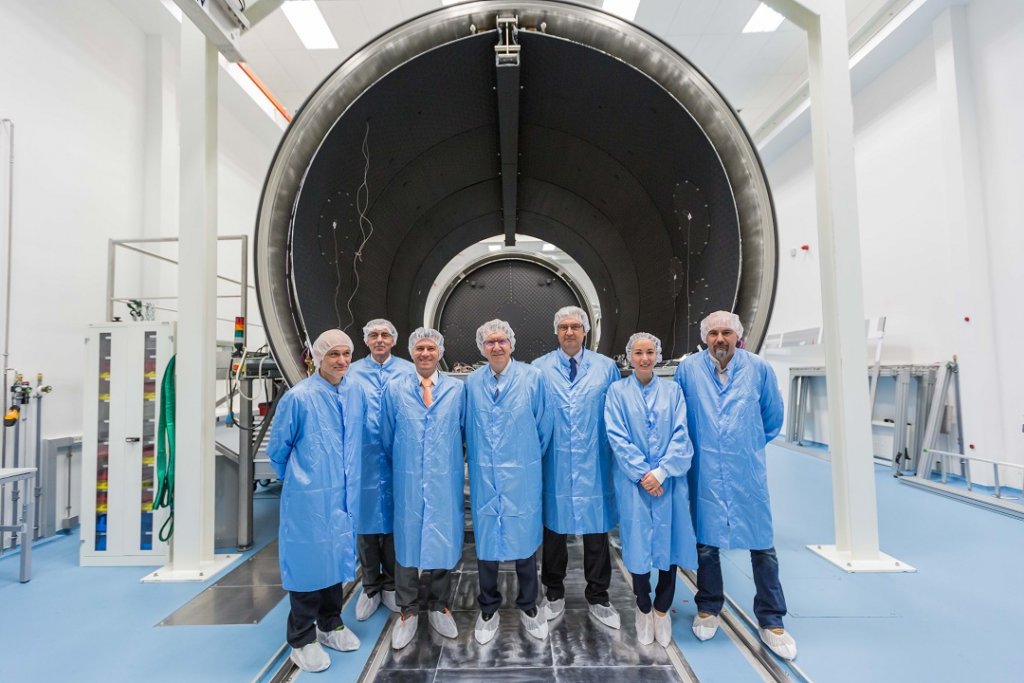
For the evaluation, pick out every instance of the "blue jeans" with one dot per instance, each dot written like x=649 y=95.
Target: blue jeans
x=769 y=602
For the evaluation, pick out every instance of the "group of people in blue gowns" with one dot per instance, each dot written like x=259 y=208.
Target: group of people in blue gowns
x=371 y=455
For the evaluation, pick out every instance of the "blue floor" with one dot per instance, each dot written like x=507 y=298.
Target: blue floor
x=958 y=618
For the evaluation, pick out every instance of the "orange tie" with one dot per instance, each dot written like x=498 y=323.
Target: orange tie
x=428 y=395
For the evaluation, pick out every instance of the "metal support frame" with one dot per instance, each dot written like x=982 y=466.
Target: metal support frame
x=506 y=71
x=54 y=453
x=24 y=527
x=926 y=459
x=965 y=461
x=220 y=22
x=192 y=546
x=854 y=502
x=250 y=442
x=128 y=244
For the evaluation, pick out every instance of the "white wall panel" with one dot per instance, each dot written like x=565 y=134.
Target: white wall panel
x=904 y=236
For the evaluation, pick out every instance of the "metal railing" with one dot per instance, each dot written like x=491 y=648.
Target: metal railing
x=946 y=458
x=130 y=245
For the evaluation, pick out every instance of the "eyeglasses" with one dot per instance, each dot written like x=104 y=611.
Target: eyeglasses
x=491 y=343
x=575 y=327
x=379 y=335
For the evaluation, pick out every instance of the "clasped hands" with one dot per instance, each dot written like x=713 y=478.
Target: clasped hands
x=651 y=484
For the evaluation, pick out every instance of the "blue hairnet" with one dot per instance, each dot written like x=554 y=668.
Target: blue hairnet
x=374 y=324
x=421 y=333
x=492 y=326
x=572 y=312
x=721 y=319
x=649 y=337
x=327 y=341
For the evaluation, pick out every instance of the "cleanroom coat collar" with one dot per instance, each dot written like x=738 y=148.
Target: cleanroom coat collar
x=582 y=364
x=733 y=370
x=324 y=384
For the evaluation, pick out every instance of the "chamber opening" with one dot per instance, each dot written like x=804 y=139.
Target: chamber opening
x=523 y=284
x=604 y=142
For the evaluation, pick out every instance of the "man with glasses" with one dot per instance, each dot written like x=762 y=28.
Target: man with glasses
x=375 y=521
x=579 y=496
x=507 y=431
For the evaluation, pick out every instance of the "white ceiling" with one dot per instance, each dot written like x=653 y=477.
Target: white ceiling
x=757 y=72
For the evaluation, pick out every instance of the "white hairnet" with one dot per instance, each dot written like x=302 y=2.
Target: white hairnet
x=572 y=312
x=327 y=341
x=721 y=319
x=649 y=337
x=421 y=333
x=495 y=326
x=374 y=324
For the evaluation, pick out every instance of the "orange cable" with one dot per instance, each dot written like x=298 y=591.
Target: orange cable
x=263 y=89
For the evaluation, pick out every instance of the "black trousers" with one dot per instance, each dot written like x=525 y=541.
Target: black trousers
x=490 y=596
x=664 y=592
x=407 y=588
x=377 y=558
x=317 y=608
x=597 y=566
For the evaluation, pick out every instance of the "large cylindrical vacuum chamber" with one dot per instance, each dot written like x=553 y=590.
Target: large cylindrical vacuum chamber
x=546 y=119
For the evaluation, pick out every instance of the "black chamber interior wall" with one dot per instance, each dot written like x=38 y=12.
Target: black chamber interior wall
x=612 y=169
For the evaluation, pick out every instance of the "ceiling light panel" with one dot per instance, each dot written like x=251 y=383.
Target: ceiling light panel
x=763 y=20
x=309 y=24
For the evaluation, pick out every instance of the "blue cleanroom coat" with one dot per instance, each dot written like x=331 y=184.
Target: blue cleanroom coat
x=579 y=497
x=426 y=455
x=315 y=449
x=729 y=426
x=505 y=441
x=376 y=506
x=647 y=429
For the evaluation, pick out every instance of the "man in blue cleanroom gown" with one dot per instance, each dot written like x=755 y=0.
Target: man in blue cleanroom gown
x=733 y=408
x=646 y=422
x=578 y=494
x=315 y=447
x=507 y=430
x=421 y=427
x=375 y=522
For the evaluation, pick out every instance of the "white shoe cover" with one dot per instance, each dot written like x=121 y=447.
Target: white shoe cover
x=340 y=639
x=781 y=644
x=365 y=607
x=443 y=623
x=553 y=608
x=705 y=628
x=388 y=599
x=536 y=626
x=662 y=628
x=645 y=627
x=311 y=658
x=607 y=615
x=405 y=631
x=484 y=631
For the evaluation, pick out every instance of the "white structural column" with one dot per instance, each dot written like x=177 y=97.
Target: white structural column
x=969 y=265
x=853 y=484
x=160 y=160
x=192 y=557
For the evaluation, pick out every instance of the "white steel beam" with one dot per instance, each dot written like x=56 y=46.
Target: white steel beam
x=192 y=557
x=842 y=300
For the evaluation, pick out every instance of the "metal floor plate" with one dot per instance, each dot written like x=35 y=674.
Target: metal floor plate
x=578 y=649
x=243 y=596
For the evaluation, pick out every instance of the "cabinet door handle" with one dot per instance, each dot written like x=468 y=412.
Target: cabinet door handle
x=131 y=439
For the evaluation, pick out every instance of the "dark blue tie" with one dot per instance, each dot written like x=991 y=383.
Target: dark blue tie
x=572 y=369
